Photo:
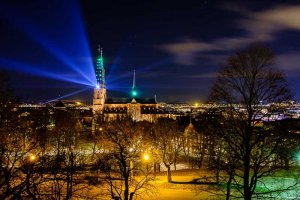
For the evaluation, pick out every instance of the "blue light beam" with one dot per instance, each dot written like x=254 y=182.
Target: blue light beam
x=68 y=95
x=75 y=37
x=10 y=64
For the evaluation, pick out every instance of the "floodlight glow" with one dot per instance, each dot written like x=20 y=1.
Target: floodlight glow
x=297 y=157
x=146 y=157
x=32 y=158
x=134 y=93
x=97 y=86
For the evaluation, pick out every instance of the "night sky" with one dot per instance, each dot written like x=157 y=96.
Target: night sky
x=49 y=47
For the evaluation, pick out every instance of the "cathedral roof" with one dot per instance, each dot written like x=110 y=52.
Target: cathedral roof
x=129 y=100
x=145 y=100
x=117 y=100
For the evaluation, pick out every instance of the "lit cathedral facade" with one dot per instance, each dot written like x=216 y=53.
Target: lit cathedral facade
x=108 y=109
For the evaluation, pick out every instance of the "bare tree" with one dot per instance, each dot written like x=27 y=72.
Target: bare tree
x=167 y=140
x=12 y=155
x=17 y=147
x=200 y=141
x=247 y=80
x=65 y=157
x=120 y=159
x=16 y=144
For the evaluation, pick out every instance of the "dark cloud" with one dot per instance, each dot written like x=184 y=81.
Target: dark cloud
x=260 y=26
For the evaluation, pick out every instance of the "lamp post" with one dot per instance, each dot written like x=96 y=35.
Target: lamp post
x=131 y=163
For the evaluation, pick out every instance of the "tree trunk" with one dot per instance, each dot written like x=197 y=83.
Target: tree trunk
x=229 y=185
x=126 y=189
x=189 y=160
x=158 y=166
x=32 y=196
x=131 y=195
x=218 y=168
x=69 y=186
x=169 y=174
x=247 y=189
x=286 y=164
x=201 y=160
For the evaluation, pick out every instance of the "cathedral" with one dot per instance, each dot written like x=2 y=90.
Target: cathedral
x=139 y=109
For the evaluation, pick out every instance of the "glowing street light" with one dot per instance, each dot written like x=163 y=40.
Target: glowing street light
x=146 y=157
x=32 y=158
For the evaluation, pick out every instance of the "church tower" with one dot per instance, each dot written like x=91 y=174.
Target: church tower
x=100 y=90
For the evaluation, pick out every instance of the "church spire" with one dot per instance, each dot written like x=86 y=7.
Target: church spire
x=133 y=89
x=100 y=51
x=133 y=82
x=100 y=71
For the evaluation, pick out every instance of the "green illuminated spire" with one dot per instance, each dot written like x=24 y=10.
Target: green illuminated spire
x=134 y=92
x=100 y=71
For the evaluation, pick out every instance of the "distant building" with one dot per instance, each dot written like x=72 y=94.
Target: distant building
x=108 y=109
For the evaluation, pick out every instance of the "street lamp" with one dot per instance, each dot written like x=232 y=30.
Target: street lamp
x=32 y=158
x=31 y=161
x=131 y=162
x=146 y=158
